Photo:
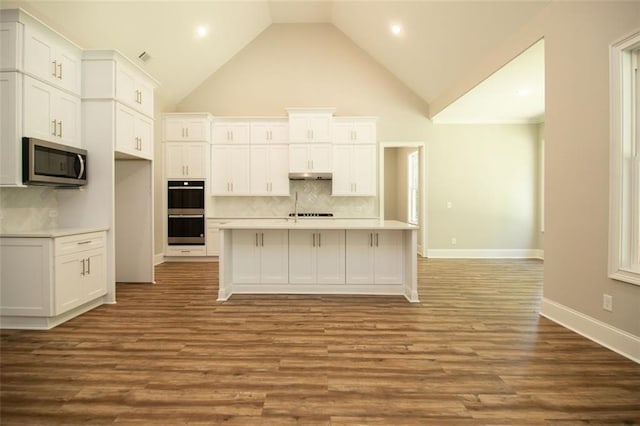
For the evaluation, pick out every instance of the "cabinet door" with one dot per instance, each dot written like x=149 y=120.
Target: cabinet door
x=274 y=261
x=174 y=129
x=302 y=256
x=197 y=129
x=245 y=252
x=125 y=130
x=320 y=157
x=144 y=133
x=67 y=112
x=50 y=61
x=359 y=257
x=341 y=183
x=260 y=170
x=94 y=282
x=213 y=238
x=364 y=132
x=145 y=97
x=9 y=60
x=174 y=164
x=298 y=160
x=10 y=147
x=39 y=121
x=298 y=129
x=330 y=257
x=231 y=133
x=69 y=270
x=239 y=169
x=342 y=132
x=220 y=180
x=195 y=155
x=389 y=259
x=133 y=91
x=363 y=169
x=320 y=128
x=278 y=170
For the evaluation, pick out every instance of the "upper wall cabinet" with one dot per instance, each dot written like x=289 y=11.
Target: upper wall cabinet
x=272 y=131
x=109 y=75
x=133 y=122
x=231 y=132
x=188 y=127
x=310 y=124
x=30 y=47
x=354 y=130
x=133 y=90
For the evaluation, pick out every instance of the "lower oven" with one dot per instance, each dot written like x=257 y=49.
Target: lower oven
x=186 y=229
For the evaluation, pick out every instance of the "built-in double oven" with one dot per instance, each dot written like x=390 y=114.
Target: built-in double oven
x=185 y=209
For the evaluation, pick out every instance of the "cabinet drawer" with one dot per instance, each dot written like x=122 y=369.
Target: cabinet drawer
x=78 y=243
x=186 y=251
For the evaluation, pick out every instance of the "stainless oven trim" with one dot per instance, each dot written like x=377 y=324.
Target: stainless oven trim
x=193 y=212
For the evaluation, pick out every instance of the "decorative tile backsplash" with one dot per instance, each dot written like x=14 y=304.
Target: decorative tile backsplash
x=24 y=209
x=313 y=197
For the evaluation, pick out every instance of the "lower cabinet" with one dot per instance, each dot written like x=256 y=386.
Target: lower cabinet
x=260 y=256
x=374 y=257
x=213 y=237
x=316 y=256
x=49 y=277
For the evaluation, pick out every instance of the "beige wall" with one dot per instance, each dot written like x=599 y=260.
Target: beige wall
x=577 y=39
x=489 y=174
x=310 y=65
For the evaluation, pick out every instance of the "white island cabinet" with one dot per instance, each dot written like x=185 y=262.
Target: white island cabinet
x=322 y=256
x=49 y=277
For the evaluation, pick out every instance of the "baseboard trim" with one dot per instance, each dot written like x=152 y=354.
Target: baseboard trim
x=603 y=334
x=485 y=253
x=158 y=259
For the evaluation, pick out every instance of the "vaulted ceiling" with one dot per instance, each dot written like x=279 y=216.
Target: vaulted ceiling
x=437 y=41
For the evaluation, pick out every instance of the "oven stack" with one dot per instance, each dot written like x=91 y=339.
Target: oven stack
x=185 y=209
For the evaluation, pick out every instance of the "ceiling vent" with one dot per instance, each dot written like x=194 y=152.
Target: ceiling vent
x=144 y=56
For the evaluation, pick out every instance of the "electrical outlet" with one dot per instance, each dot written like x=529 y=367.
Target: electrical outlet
x=607 y=302
x=454 y=241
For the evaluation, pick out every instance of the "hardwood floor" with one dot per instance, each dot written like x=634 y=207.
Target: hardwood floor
x=475 y=351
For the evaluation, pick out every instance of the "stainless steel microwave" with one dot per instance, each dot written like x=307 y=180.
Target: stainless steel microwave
x=52 y=164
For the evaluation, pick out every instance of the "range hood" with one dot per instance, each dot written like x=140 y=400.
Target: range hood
x=309 y=176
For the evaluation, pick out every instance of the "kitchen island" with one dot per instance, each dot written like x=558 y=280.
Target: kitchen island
x=318 y=256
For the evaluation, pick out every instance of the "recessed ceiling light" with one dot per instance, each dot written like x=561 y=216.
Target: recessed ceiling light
x=396 y=29
x=201 y=31
x=524 y=92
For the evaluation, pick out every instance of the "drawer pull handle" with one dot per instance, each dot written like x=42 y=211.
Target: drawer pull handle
x=84 y=242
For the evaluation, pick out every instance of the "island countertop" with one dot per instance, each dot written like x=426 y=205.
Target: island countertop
x=291 y=223
x=50 y=232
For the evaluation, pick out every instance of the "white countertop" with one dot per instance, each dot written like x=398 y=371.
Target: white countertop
x=290 y=223
x=49 y=233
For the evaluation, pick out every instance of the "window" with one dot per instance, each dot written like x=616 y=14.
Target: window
x=414 y=172
x=624 y=211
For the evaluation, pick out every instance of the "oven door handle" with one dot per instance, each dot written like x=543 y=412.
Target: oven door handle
x=186 y=216
x=186 y=187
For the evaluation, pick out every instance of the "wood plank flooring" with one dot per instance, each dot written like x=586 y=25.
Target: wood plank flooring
x=474 y=351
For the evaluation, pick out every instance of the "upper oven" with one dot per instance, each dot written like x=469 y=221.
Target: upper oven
x=185 y=197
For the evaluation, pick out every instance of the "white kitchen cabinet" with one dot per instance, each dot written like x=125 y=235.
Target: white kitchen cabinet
x=134 y=133
x=48 y=277
x=354 y=130
x=50 y=59
x=310 y=124
x=188 y=251
x=134 y=90
x=10 y=129
x=270 y=132
x=310 y=158
x=186 y=127
x=316 y=256
x=374 y=257
x=260 y=256
x=11 y=34
x=186 y=160
x=354 y=170
x=50 y=114
x=270 y=170
x=231 y=132
x=230 y=173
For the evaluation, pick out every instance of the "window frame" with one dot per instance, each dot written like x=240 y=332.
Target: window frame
x=413 y=187
x=624 y=177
